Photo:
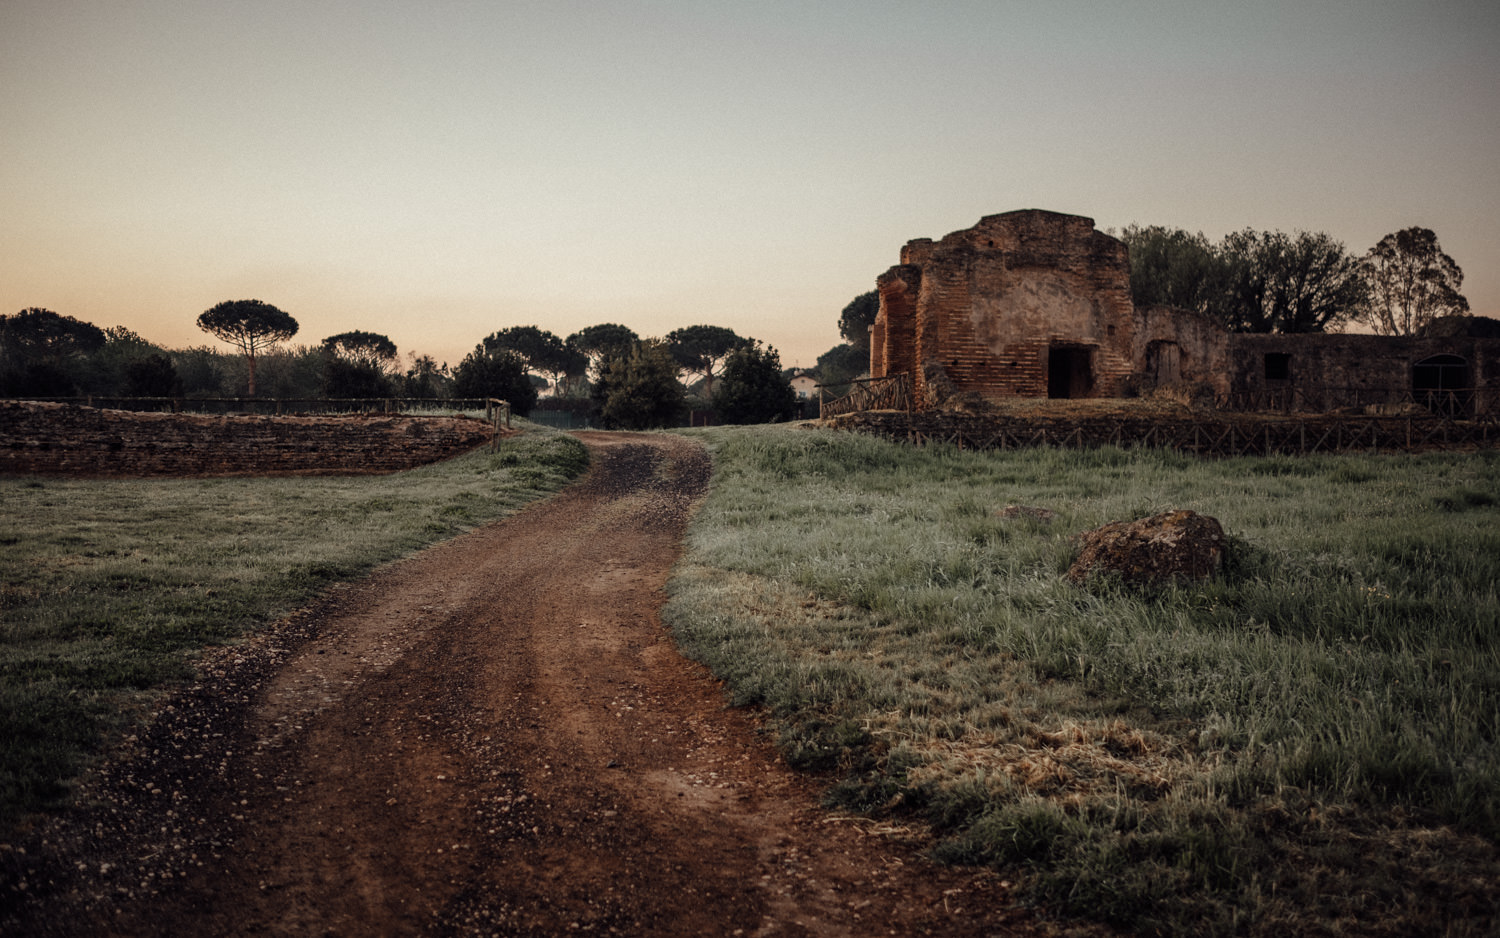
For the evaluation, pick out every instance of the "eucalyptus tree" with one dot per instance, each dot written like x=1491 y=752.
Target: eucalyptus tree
x=1411 y=282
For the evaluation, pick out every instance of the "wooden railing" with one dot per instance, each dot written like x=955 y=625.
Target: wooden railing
x=497 y=411
x=1205 y=436
x=892 y=392
x=1452 y=402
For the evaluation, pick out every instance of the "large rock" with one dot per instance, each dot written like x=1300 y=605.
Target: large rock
x=1175 y=546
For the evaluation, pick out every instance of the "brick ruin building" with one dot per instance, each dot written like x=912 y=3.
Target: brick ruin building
x=1037 y=304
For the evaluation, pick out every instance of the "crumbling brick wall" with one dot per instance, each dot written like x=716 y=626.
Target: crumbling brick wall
x=1037 y=304
x=1360 y=368
x=67 y=440
x=1006 y=307
x=1176 y=346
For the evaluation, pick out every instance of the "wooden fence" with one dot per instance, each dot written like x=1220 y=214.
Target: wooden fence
x=892 y=392
x=497 y=411
x=1451 y=402
x=1206 y=437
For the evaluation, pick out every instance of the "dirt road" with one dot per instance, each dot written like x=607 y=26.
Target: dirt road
x=495 y=736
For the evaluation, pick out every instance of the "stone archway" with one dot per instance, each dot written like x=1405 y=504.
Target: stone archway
x=1441 y=384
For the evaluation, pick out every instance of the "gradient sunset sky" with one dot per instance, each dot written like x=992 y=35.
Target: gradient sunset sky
x=436 y=171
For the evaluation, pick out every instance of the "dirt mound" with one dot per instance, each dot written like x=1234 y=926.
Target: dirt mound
x=1174 y=546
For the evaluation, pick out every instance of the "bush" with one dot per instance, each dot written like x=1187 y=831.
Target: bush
x=345 y=379
x=639 y=390
x=500 y=374
x=152 y=376
x=752 y=389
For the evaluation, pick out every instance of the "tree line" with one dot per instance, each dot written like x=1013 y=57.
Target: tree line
x=1270 y=281
x=628 y=381
x=1250 y=281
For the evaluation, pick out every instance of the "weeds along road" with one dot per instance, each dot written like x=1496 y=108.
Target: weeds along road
x=495 y=736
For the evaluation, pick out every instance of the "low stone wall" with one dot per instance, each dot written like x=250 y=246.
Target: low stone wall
x=62 y=439
x=1206 y=434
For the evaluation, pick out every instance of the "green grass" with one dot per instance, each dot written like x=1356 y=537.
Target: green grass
x=110 y=586
x=1308 y=739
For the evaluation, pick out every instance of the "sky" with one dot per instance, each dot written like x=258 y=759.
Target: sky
x=435 y=171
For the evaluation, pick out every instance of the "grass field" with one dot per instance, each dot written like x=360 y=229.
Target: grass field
x=107 y=588
x=1306 y=744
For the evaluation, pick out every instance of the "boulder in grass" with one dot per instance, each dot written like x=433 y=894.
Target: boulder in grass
x=1172 y=547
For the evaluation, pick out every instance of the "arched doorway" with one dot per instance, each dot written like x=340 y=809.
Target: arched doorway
x=1441 y=384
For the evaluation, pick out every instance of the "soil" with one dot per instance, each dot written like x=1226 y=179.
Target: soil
x=495 y=736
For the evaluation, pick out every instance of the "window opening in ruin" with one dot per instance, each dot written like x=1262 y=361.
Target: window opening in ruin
x=1069 y=372
x=1441 y=384
x=1278 y=366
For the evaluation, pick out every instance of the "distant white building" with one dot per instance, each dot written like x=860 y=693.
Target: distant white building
x=805 y=384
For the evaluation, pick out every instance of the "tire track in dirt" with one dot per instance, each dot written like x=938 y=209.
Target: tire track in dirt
x=495 y=736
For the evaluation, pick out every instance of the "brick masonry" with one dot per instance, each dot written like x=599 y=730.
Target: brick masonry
x=60 y=439
x=1022 y=304
x=1036 y=304
x=1362 y=362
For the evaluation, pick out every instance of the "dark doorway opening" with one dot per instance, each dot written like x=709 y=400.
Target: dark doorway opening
x=1069 y=372
x=1441 y=384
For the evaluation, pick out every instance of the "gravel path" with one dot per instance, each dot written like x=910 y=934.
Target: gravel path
x=495 y=736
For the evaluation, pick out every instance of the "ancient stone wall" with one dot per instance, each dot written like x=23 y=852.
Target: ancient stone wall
x=1028 y=303
x=1321 y=368
x=68 y=440
x=1035 y=304
x=1173 y=346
